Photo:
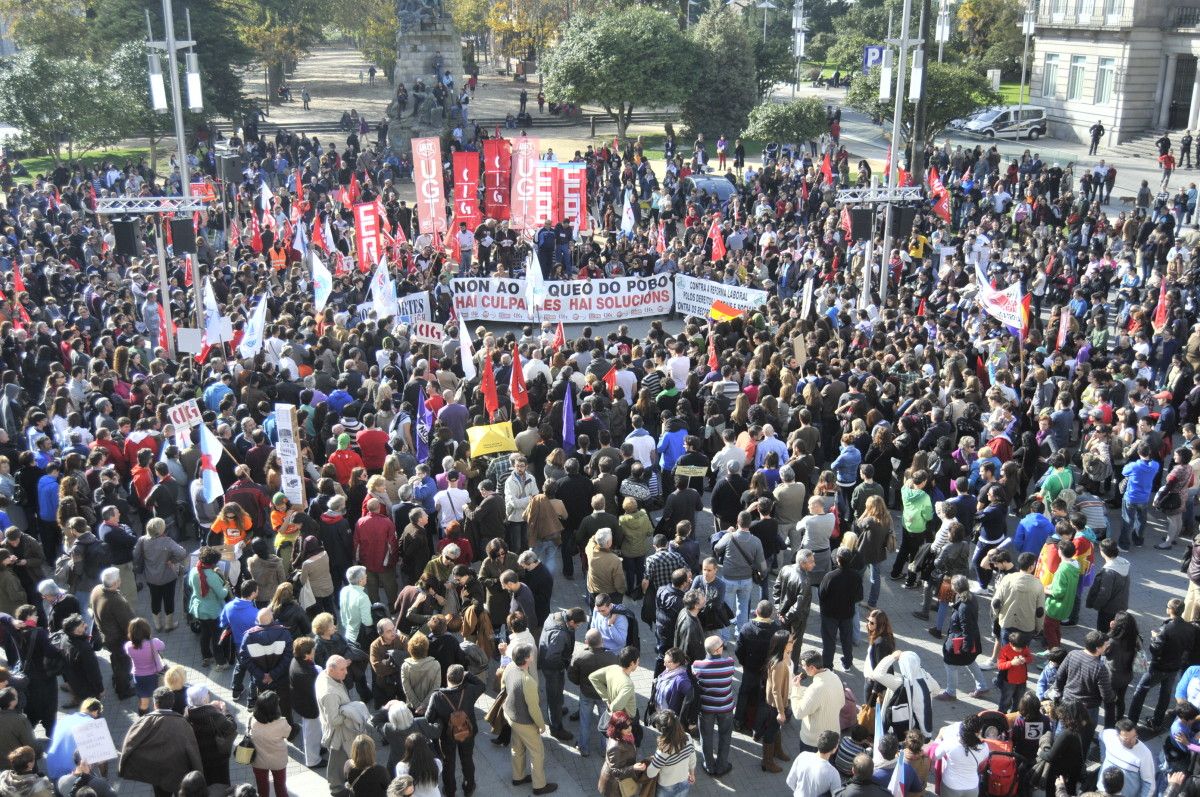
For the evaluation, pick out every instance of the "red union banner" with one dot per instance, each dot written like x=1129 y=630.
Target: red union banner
x=466 y=188
x=545 y=208
x=367 y=234
x=571 y=195
x=524 y=167
x=431 y=193
x=497 y=177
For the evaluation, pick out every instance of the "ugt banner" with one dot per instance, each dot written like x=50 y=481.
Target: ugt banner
x=367 y=234
x=431 y=192
x=695 y=297
x=524 y=166
x=466 y=188
x=497 y=175
x=569 y=301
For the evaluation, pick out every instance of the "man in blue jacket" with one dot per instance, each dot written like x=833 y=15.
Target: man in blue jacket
x=47 y=510
x=239 y=616
x=1139 y=484
x=1033 y=530
x=266 y=653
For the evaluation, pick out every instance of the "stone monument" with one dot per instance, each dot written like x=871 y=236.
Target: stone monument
x=426 y=46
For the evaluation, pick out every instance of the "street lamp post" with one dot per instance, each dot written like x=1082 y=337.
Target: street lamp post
x=799 y=33
x=942 y=31
x=903 y=43
x=1027 y=28
x=765 y=6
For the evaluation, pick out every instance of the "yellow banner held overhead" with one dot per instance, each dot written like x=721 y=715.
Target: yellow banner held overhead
x=496 y=438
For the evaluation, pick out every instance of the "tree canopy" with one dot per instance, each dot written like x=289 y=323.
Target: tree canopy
x=787 y=122
x=950 y=91
x=725 y=89
x=619 y=59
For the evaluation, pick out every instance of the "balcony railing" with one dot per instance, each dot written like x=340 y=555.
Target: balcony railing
x=1069 y=16
x=1185 y=17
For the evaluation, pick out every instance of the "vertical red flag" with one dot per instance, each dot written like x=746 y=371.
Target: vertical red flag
x=660 y=245
x=431 y=192
x=827 y=169
x=546 y=205
x=560 y=337
x=610 y=379
x=713 y=362
x=718 y=240
x=942 y=206
x=570 y=195
x=517 y=391
x=163 y=332
x=18 y=281
x=353 y=193
x=921 y=307
x=466 y=188
x=256 y=242
x=491 y=400
x=497 y=177
x=844 y=221
x=1159 y=321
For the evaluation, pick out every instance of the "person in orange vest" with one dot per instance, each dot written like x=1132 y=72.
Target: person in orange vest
x=279 y=256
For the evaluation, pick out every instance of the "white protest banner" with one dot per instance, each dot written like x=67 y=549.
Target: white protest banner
x=184 y=417
x=288 y=427
x=569 y=301
x=694 y=297
x=415 y=306
x=426 y=332
x=94 y=741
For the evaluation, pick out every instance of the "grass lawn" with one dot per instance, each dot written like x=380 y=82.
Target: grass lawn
x=44 y=164
x=1010 y=93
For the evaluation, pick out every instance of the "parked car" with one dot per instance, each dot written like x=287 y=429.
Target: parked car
x=1009 y=121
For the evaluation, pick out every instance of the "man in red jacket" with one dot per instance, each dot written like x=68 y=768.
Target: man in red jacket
x=373 y=443
x=345 y=459
x=377 y=548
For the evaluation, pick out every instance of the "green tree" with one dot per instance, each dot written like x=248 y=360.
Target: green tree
x=470 y=16
x=522 y=27
x=40 y=95
x=620 y=59
x=950 y=92
x=724 y=90
x=991 y=34
x=280 y=32
x=787 y=122
x=53 y=26
x=773 y=62
x=129 y=78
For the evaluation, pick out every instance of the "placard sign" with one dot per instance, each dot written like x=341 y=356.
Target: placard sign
x=288 y=427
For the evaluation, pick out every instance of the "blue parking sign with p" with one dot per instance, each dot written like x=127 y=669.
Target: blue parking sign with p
x=872 y=56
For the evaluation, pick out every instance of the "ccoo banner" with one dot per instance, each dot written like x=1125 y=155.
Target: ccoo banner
x=466 y=188
x=431 y=192
x=497 y=177
x=695 y=297
x=569 y=301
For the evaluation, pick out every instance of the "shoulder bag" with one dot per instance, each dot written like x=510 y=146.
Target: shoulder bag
x=757 y=576
x=243 y=752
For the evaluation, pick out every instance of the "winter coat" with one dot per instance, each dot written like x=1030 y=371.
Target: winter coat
x=964 y=624
x=159 y=749
x=156 y=559
x=1109 y=593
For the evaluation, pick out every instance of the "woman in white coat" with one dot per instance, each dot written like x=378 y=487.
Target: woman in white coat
x=908 y=696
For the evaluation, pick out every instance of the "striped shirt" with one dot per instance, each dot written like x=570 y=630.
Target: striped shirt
x=673 y=768
x=714 y=676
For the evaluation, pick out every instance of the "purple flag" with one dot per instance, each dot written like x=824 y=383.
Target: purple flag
x=424 y=427
x=568 y=427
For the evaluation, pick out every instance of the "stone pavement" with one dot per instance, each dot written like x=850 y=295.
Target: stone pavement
x=1158 y=580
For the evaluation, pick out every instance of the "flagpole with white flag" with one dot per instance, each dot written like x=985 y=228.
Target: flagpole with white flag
x=265 y=196
x=322 y=281
x=466 y=351
x=535 y=285
x=383 y=292
x=256 y=327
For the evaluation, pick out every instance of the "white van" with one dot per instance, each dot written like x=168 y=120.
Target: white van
x=1010 y=121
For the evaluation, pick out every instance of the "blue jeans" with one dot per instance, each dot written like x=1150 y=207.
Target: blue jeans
x=952 y=671
x=738 y=596
x=548 y=553
x=587 y=719
x=680 y=789
x=716 y=736
x=875 y=573
x=1165 y=680
x=1133 y=518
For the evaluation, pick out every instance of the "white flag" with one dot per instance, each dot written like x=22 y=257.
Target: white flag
x=465 y=350
x=256 y=327
x=264 y=196
x=212 y=313
x=535 y=286
x=322 y=281
x=300 y=239
x=383 y=292
x=627 y=219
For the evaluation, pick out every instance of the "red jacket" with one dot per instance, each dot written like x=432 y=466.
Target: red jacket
x=116 y=457
x=345 y=461
x=373 y=443
x=376 y=546
x=143 y=483
x=1014 y=673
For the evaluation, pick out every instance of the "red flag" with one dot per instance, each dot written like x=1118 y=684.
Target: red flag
x=718 y=240
x=804 y=190
x=560 y=337
x=93 y=202
x=256 y=242
x=353 y=192
x=827 y=169
x=942 y=206
x=163 y=332
x=713 y=362
x=903 y=177
x=516 y=382
x=491 y=400
x=455 y=248
x=187 y=270
x=18 y=281
x=1159 y=321
x=845 y=220
x=235 y=237
x=317 y=237
x=660 y=245
x=921 y=307
x=610 y=379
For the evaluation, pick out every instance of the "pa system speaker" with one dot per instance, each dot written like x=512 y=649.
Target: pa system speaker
x=903 y=221
x=126 y=233
x=861 y=221
x=183 y=236
x=229 y=169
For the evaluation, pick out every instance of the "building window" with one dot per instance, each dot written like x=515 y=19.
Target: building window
x=1075 y=77
x=1084 y=10
x=1106 y=75
x=1050 y=76
x=1058 y=10
x=1112 y=11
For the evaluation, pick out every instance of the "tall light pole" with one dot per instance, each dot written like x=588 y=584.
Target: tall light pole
x=799 y=34
x=1027 y=28
x=942 y=31
x=765 y=6
x=897 y=130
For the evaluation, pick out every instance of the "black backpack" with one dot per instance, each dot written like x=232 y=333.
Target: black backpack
x=633 y=636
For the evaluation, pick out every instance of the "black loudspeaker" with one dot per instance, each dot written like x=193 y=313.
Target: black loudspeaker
x=126 y=233
x=183 y=236
x=860 y=223
x=229 y=169
x=904 y=221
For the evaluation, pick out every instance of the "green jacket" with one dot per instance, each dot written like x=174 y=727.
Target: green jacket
x=1061 y=597
x=207 y=607
x=917 y=509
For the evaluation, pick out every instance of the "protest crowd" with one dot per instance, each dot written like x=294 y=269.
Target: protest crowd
x=419 y=481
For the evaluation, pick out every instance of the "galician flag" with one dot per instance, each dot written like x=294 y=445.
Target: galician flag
x=256 y=327
x=322 y=281
x=211 y=451
x=465 y=351
x=383 y=292
x=535 y=286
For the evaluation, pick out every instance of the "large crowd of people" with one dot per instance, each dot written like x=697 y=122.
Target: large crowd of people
x=716 y=502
